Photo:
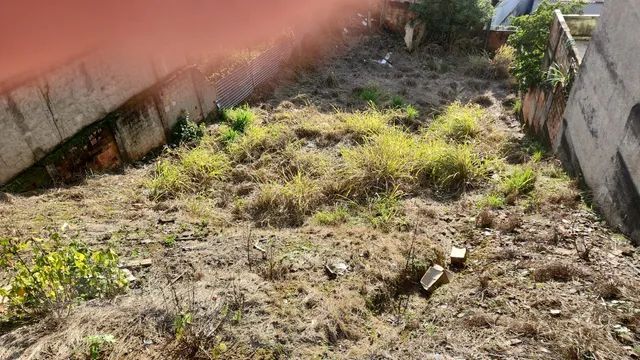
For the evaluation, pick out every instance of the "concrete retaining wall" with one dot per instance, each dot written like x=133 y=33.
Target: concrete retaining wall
x=600 y=134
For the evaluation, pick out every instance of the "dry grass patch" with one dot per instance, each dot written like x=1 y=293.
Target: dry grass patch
x=555 y=272
x=458 y=122
x=286 y=204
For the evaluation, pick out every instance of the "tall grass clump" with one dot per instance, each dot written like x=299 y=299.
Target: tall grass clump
x=503 y=61
x=167 y=180
x=384 y=162
x=239 y=118
x=446 y=167
x=521 y=181
x=458 y=122
x=286 y=204
x=366 y=123
x=258 y=139
x=204 y=165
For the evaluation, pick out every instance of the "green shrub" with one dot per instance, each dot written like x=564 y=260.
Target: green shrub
x=239 y=118
x=54 y=276
x=521 y=181
x=446 y=167
x=531 y=38
x=383 y=163
x=337 y=216
x=452 y=20
x=458 y=122
x=286 y=204
x=186 y=131
x=168 y=179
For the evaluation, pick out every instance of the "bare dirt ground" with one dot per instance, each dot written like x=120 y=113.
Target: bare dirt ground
x=545 y=278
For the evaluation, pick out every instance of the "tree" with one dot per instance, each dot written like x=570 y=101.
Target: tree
x=450 y=20
x=531 y=38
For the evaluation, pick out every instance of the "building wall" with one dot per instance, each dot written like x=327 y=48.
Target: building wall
x=601 y=125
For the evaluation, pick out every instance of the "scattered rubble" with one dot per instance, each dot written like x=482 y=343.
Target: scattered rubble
x=458 y=256
x=435 y=277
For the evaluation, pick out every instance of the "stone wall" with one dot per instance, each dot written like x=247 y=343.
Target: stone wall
x=600 y=133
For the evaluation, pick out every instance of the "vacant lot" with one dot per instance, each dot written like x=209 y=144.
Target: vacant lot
x=300 y=227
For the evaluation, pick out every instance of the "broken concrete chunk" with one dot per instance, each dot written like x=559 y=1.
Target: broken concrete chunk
x=435 y=277
x=129 y=276
x=134 y=264
x=336 y=268
x=458 y=256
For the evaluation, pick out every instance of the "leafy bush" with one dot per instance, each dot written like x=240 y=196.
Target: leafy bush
x=186 y=131
x=458 y=122
x=448 y=21
x=239 y=118
x=55 y=275
x=531 y=38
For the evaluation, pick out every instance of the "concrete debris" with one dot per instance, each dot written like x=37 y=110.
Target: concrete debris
x=555 y=312
x=414 y=32
x=435 y=277
x=136 y=264
x=385 y=60
x=336 y=268
x=458 y=256
x=129 y=276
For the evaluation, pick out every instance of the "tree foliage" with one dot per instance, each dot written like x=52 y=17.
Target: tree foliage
x=451 y=20
x=531 y=38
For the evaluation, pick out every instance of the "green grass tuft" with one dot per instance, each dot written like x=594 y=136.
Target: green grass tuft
x=167 y=180
x=366 y=123
x=239 y=118
x=447 y=167
x=520 y=182
x=337 y=216
x=370 y=94
x=411 y=112
x=204 y=165
x=259 y=139
x=458 y=122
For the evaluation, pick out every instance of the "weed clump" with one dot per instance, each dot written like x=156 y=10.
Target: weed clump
x=286 y=204
x=458 y=122
x=337 y=216
x=186 y=131
x=366 y=123
x=447 y=167
x=204 y=165
x=239 y=118
x=383 y=163
x=371 y=94
x=167 y=180
x=384 y=211
x=520 y=182
x=258 y=139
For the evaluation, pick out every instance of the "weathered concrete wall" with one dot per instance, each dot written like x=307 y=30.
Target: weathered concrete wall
x=46 y=112
x=601 y=127
x=543 y=106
